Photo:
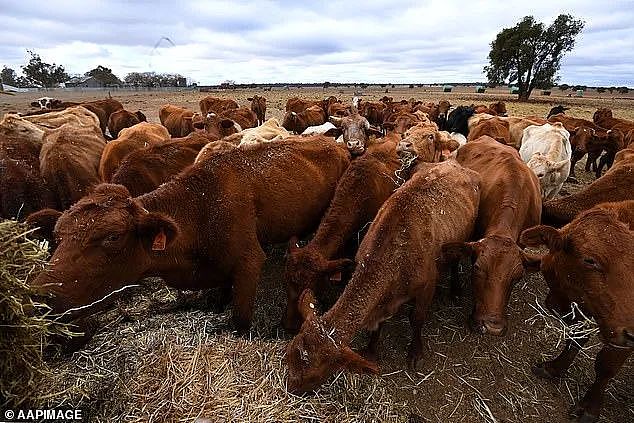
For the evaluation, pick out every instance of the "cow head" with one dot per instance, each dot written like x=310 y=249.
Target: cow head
x=258 y=106
x=443 y=109
x=499 y=108
x=307 y=268
x=582 y=137
x=601 y=114
x=426 y=143
x=15 y=126
x=318 y=352
x=356 y=131
x=594 y=270
x=497 y=263
x=216 y=127
x=139 y=115
x=547 y=171
x=458 y=120
x=105 y=241
x=557 y=110
x=46 y=103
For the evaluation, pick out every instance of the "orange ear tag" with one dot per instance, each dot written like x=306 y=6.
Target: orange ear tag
x=336 y=277
x=159 y=241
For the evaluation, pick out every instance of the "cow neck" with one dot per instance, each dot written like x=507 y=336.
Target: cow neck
x=349 y=314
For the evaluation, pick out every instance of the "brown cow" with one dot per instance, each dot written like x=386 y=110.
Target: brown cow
x=258 y=105
x=145 y=169
x=426 y=144
x=338 y=110
x=510 y=203
x=356 y=132
x=363 y=188
x=298 y=105
x=179 y=121
x=298 y=122
x=401 y=121
x=216 y=105
x=22 y=188
x=123 y=119
x=69 y=161
x=217 y=126
x=397 y=262
x=130 y=139
x=495 y=128
x=242 y=116
x=372 y=111
x=603 y=117
x=615 y=185
x=203 y=228
x=103 y=109
x=595 y=271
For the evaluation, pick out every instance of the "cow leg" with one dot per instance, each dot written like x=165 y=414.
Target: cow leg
x=606 y=366
x=591 y=161
x=576 y=156
x=245 y=279
x=417 y=318
x=371 y=351
x=556 y=368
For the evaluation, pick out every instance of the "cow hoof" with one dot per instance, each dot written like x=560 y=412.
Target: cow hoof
x=542 y=371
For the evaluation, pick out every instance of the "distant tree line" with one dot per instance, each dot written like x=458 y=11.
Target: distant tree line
x=37 y=73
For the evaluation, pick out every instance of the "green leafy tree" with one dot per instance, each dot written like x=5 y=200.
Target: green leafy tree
x=104 y=75
x=529 y=54
x=44 y=74
x=564 y=87
x=8 y=76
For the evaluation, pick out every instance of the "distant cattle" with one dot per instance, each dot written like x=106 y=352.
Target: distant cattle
x=372 y=111
x=130 y=139
x=589 y=263
x=123 y=119
x=216 y=105
x=546 y=150
x=179 y=121
x=47 y=103
x=258 y=106
x=397 y=262
x=242 y=116
x=297 y=122
x=204 y=228
x=103 y=109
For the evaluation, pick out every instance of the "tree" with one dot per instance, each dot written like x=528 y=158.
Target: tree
x=8 y=76
x=530 y=54
x=564 y=87
x=43 y=74
x=104 y=75
x=600 y=90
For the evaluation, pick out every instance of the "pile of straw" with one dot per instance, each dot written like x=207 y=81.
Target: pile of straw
x=24 y=328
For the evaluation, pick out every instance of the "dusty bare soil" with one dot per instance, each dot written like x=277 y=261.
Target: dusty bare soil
x=465 y=377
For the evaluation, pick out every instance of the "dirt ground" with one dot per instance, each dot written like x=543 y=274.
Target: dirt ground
x=465 y=377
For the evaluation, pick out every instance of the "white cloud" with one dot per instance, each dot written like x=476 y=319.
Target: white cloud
x=259 y=41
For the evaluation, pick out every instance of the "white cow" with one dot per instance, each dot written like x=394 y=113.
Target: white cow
x=269 y=131
x=319 y=129
x=546 y=150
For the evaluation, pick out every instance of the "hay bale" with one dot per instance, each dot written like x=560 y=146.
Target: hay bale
x=25 y=328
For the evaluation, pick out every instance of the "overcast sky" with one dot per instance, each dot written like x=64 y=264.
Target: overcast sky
x=296 y=41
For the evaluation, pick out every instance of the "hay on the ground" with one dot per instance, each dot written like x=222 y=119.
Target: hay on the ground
x=24 y=328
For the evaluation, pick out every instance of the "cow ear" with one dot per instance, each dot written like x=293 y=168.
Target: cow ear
x=157 y=231
x=140 y=116
x=227 y=123
x=455 y=251
x=307 y=304
x=335 y=120
x=45 y=220
x=558 y=166
x=542 y=235
x=335 y=267
x=354 y=363
x=388 y=125
x=531 y=262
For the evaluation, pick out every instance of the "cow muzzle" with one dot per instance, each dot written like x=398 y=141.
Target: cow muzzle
x=495 y=326
x=355 y=146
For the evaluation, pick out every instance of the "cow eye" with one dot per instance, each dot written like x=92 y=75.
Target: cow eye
x=112 y=238
x=430 y=136
x=590 y=263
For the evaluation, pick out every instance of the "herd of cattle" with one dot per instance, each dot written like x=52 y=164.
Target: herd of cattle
x=194 y=199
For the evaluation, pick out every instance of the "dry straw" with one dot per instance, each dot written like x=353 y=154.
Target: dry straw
x=24 y=328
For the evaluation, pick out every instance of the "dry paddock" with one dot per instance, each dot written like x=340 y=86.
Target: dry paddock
x=165 y=356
